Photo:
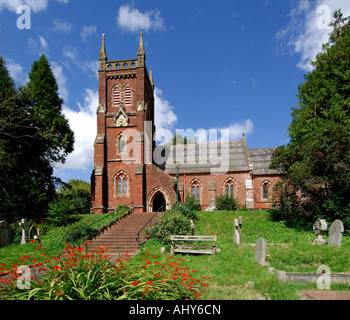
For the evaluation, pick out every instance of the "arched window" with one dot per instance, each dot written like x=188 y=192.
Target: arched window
x=122 y=184
x=121 y=141
x=265 y=192
x=116 y=96
x=195 y=191
x=229 y=188
x=127 y=96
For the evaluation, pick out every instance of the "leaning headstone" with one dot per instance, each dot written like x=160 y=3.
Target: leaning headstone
x=336 y=233
x=236 y=235
x=5 y=233
x=260 y=251
x=320 y=226
x=23 y=225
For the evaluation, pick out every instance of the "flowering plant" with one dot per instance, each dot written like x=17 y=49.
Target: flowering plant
x=84 y=274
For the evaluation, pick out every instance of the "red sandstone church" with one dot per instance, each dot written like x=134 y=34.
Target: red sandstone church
x=130 y=169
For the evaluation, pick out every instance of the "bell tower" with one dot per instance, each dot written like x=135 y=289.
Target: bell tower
x=125 y=127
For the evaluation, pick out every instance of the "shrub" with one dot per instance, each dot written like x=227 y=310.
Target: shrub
x=60 y=211
x=226 y=202
x=193 y=204
x=171 y=223
x=186 y=209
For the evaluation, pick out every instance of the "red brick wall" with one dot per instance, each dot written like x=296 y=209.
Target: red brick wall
x=258 y=181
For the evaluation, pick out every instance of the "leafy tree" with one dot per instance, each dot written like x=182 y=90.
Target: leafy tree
x=78 y=192
x=34 y=134
x=317 y=158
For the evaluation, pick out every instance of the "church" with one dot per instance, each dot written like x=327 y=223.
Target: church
x=130 y=169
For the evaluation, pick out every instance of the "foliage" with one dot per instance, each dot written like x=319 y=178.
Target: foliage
x=225 y=202
x=83 y=274
x=193 y=204
x=172 y=222
x=60 y=211
x=317 y=158
x=34 y=134
x=79 y=194
x=187 y=209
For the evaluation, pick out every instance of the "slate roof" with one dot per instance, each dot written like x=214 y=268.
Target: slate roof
x=214 y=157
x=261 y=159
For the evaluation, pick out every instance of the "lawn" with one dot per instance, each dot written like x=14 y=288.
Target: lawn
x=52 y=240
x=233 y=273
x=235 y=266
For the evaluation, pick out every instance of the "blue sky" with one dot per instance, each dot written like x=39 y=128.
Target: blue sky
x=216 y=64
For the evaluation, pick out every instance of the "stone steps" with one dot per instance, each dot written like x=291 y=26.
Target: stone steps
x=120 y=239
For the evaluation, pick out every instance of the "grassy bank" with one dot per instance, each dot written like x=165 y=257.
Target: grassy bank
x=235 y=266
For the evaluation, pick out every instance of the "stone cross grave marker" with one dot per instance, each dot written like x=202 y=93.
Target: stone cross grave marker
x=5 y=233
x=240 y=222
x=236 y=235
x=23 y=225
x=320 y=226
x=336 y=233
x=260 y=251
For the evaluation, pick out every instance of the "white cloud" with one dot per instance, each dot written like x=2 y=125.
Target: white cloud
x=61 y=26
x=87 y=31
x=63 y=1
x=308 y=28
x=38 y=46
x=61 y=80
x=237 y=129
x=83 y=123
x=34 y=5
x=165 y=118
x=131 y=19
x=16 y=71
x=43 y=43
x=89 y=67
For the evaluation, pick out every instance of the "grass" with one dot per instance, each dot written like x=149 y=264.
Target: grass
x=52 y=240
x=235 y=266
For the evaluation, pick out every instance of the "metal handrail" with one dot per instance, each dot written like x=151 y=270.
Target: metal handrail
x=148 y=222
x=66 y=236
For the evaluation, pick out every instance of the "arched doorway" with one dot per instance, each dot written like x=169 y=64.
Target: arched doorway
x=159 y=203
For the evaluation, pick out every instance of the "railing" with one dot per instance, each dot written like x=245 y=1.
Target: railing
x=163 y=207
x=94 y=229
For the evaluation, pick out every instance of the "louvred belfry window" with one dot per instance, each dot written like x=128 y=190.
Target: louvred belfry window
x=127 y=96
x=116 y=97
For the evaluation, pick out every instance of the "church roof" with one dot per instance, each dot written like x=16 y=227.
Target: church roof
x=214 y=158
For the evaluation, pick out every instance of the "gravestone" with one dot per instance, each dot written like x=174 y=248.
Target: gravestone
x=33 y=233
x=192 y=227
x=236 y=235
x=23 y=224
x=336 y=233
x=240 y=222
x=320 y=226
x=5 y=233
x=260 y=251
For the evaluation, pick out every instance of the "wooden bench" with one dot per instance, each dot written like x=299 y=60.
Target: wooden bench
x=193 y=248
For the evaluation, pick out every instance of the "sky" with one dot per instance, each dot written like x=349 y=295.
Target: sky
x=224 y=64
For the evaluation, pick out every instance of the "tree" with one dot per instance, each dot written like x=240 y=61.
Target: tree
x=34 y=134
x=317 y=158
x=78 y=192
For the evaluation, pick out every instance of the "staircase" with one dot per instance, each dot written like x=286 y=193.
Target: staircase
x=122 y=236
